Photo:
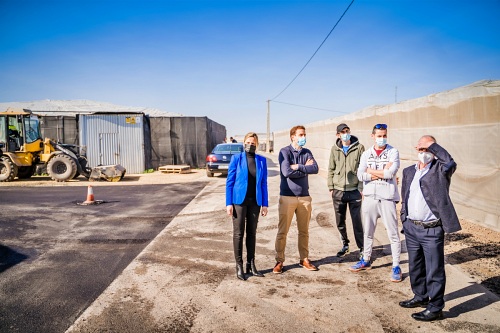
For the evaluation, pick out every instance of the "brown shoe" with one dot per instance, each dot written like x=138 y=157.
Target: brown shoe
x=307 y=265
x=278 y=268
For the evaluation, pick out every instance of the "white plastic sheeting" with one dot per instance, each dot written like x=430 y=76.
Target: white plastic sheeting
x=465 y=121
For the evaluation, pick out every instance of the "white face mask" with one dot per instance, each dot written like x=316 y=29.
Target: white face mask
x=425 y=157
x=381 y=142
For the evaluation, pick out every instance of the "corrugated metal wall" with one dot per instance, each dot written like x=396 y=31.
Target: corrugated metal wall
x=114 y=139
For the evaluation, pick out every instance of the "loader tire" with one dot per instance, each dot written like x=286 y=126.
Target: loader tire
x=8 y=170
x=25 y=172
x=61 y=168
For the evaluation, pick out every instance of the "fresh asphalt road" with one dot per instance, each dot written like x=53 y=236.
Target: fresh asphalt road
x=57 y=257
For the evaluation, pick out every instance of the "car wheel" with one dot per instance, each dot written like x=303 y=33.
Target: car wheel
x=210 y=174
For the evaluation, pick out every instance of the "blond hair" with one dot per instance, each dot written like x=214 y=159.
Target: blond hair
x=252 y=135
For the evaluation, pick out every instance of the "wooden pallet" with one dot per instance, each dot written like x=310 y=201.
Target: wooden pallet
x=175 y=169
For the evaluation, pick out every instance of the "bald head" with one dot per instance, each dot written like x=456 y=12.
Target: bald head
x=428 y=138
x=425 y=141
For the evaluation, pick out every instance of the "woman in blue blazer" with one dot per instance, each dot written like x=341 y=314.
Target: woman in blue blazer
x=246 y=198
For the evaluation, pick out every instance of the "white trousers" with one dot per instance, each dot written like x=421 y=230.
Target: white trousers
x=372 y=210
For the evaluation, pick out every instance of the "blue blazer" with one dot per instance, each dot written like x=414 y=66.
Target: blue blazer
x=435 y=185
x=237 y=180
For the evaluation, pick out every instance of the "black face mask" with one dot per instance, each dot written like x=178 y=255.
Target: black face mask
x=250 y=149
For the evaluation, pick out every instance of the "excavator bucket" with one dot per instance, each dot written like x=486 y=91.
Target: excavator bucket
x=110 y=173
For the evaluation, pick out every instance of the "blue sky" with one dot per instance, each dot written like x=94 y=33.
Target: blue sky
x=225 y=59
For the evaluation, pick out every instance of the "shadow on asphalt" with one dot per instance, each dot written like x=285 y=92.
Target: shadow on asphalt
x=9 y=257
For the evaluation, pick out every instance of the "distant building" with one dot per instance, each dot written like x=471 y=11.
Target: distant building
x=137 y=138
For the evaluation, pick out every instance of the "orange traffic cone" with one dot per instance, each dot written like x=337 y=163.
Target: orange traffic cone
x=90 y=196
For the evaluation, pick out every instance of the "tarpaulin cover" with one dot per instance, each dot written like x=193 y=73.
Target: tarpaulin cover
x=465 y=121
x=184 y=140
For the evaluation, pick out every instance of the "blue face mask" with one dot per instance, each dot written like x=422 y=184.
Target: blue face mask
x=345 y=137
x=381 y=142
x=301 y=141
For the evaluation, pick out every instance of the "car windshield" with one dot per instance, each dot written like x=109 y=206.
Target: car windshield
x=228 y=149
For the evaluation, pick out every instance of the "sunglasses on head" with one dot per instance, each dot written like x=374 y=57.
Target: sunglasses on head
x=380 y=126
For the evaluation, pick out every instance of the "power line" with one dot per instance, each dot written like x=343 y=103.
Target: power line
x=307 y=63
x=310 y=107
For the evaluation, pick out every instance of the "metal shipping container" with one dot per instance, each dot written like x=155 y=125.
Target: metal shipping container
x=114 y=139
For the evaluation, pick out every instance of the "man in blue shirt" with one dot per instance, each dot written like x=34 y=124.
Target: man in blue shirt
x=296 y=163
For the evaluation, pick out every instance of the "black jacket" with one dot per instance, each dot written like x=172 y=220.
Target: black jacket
x=435 y=185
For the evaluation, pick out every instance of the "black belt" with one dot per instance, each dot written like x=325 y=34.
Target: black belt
x=427 y=224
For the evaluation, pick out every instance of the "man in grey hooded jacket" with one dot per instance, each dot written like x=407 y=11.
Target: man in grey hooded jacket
x=345 y=187
x=377 y=170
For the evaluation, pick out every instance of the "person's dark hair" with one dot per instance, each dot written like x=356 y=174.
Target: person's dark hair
x=295 y=128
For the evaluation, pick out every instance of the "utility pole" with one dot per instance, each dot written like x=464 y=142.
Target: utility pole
x=268 y=134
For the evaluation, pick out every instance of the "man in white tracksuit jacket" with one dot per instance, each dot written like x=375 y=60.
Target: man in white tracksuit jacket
x=377 y=170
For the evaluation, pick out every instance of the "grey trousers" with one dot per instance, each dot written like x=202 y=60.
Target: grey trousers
x=372 y=210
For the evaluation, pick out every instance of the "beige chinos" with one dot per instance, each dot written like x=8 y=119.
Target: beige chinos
x=302 y=208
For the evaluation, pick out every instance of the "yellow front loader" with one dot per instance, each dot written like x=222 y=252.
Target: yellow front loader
x=23 y=149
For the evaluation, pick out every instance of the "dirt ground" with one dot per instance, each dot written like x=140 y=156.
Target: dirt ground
x=475 y=249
